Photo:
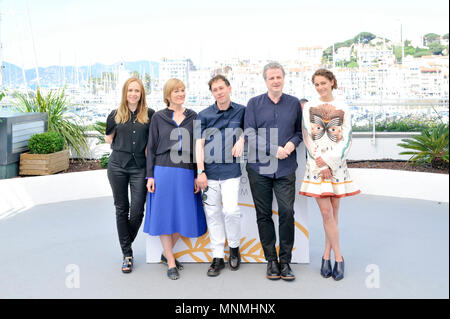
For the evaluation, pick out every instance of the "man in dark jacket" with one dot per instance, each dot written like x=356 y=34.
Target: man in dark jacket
x=273 y=131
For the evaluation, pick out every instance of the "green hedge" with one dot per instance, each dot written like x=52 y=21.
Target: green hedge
x=405 y=125
x=410 y=124
x=46 y=143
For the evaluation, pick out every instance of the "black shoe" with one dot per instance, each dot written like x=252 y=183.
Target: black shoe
x=286 y=272
x=338 y=270
x=273 y=270
x=235 y=258
x=326 y=269
x=172 y=273
x=216 y=266
x=177 y=263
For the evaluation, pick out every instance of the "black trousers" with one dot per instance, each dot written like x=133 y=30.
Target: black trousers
x=129 y=215
x=262 y=189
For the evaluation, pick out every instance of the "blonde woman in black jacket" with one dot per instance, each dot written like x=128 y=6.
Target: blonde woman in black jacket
x=127 y=132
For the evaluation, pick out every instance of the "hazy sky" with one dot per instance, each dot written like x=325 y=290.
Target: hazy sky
x=88 y=31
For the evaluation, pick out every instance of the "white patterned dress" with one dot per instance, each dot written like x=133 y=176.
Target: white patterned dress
x=327 y=133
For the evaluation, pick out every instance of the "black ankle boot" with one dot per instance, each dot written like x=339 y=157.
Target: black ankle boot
x=216 y=266
x=326 y=270
x=235 y=258
x=338 y=270
x=273 y=270
x=286 y=272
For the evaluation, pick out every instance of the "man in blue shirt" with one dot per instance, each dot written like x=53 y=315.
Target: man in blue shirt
x=217 y=148
x=273 y=131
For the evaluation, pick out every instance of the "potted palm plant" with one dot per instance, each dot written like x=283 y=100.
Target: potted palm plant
x=46 y=156
x=59 y=119
x=430 y=147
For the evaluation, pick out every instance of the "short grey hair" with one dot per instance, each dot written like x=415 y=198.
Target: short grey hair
x=273 y=65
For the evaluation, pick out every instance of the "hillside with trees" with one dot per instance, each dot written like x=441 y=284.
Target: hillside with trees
x=433 y=44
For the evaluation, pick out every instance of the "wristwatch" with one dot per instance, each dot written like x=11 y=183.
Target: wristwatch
x=199 y=171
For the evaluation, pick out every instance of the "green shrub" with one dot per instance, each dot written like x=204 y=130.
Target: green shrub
x=430 y=147
x=46 y=143
x=410 y=124
x=104 y=160
x=2 y=95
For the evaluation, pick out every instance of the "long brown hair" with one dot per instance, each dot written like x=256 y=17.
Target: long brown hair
x=123 y=113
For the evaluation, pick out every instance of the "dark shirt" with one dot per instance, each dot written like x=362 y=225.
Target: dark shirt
x=221 y=165
x=169 y=144
x=130 y=139
x=286 y=117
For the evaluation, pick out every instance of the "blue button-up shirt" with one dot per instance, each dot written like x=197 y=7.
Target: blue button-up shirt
x=214 y=123
x=284 y=118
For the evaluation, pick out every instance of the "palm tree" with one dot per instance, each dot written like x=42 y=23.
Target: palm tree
x=56 y=105
x=100 y=127
x=430 y=147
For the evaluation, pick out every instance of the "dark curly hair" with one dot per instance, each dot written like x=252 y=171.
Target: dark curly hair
x=327 y=74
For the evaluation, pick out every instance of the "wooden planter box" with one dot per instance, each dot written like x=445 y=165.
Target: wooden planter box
x=43 y=164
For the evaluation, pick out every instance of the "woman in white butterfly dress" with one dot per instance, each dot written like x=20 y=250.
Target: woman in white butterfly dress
x=327 y=133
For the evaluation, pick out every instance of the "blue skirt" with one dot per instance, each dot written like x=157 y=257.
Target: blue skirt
x=173 y=207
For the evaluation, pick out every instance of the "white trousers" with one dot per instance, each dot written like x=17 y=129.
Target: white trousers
x=222 y=214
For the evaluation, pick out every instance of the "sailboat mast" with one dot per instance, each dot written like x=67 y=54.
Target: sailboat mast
x=34 y=44
x=1 y=47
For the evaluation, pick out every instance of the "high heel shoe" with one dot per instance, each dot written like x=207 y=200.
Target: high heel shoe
x=326 y=269
x=338 y=270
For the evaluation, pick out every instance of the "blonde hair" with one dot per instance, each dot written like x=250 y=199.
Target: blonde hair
x=170 y=86
x=123 y=113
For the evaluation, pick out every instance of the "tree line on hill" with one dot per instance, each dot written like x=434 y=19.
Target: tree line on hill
x=432 y=45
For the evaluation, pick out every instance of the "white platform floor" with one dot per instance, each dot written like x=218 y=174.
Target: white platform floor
x=405 y=241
